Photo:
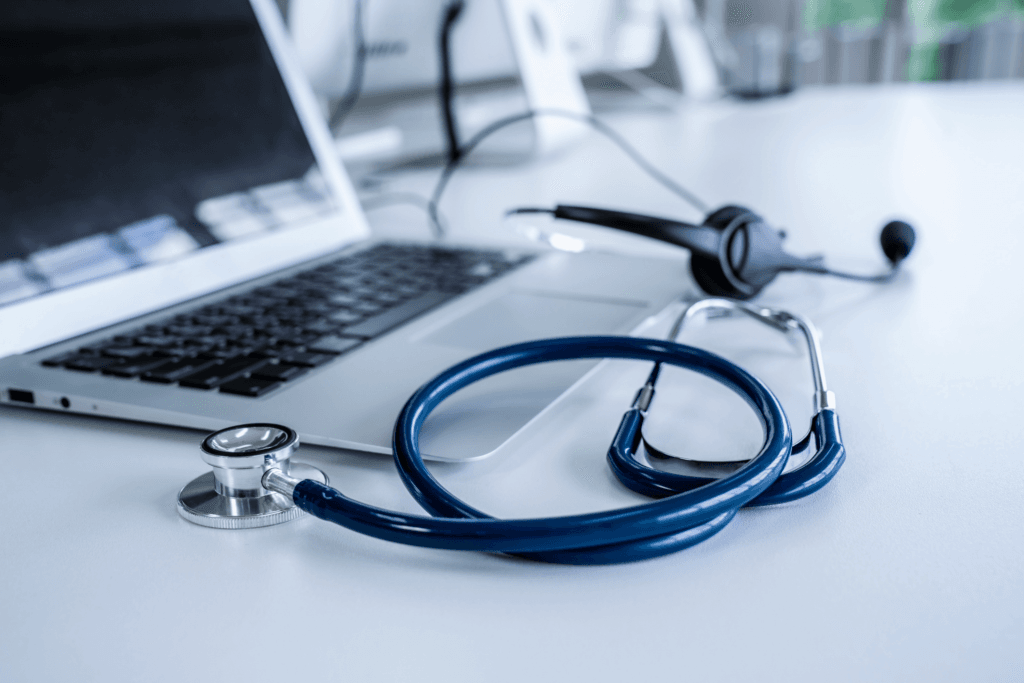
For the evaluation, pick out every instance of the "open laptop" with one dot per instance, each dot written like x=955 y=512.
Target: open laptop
x=180 y=246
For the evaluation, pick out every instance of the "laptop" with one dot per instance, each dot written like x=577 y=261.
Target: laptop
x=179 y=245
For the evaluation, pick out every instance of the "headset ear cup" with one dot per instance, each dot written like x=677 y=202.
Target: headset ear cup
x=708 y=271
x=720 y=218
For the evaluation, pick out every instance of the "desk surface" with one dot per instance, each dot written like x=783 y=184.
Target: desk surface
x=908 y=567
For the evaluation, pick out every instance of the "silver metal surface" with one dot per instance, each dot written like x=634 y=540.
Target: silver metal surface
x=644 y=397
x=200 y=503
x=824 y=400
x=248 y=439
x=778 y=319
x=239 y=455
x=278 y=481
x=232 y=496
x=782 y=321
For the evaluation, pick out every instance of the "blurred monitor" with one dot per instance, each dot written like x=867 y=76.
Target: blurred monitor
x=402 y=40
x=507 y=56
x=610 y=35
x=402 y=43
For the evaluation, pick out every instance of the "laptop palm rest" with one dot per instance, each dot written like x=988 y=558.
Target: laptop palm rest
x=481 y=417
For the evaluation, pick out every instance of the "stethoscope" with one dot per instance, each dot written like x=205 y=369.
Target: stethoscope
x=254 y=483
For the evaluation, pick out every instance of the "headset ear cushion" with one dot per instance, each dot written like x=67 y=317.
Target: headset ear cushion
x=708 y=271
x=721 y=218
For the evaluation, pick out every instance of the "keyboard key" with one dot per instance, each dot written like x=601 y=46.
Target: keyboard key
x=172 y=371
x=317 y=308
x=308 y=360
x=249 y=386
x=275 y=351
x=238 y=331
x=57 y=361
x=321 y=326
x=232 y=308
x=89 y=363
x=294 y=336
x=394 y=317
x=368 y=307
x=225 y=353
x=188 y=330
x=279 y=372
x=220 y=373
x=214 y=320
x=389 y=298
x=158 y=342
x=333 y=344
x=126 y=351
x=346 y=317
x=343 y=299
x=135 y=366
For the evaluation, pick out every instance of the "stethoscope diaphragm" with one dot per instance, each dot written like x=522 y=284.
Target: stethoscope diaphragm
x=232 y=495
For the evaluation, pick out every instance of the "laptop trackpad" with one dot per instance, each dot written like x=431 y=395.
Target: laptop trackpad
x=478 y=419
x=522 y=316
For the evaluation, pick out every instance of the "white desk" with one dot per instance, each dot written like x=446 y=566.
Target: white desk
x=907 y=567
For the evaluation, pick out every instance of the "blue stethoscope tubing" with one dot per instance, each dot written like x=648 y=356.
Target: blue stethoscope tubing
x=688 y=510
x=805 y=480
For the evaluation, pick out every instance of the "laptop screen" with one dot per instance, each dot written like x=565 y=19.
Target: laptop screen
x=137 y=132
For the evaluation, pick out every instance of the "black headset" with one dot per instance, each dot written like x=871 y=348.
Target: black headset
x=734 y=252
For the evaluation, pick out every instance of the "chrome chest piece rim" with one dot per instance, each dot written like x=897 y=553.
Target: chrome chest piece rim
x=232 y=496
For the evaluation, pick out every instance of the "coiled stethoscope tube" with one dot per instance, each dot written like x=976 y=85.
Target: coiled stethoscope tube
x=688 y=510
x=623 y=535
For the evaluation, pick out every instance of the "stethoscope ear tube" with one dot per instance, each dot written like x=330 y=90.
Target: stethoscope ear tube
x=637 y=476
x=816 y=472
x=803 y=481
x=649 y=530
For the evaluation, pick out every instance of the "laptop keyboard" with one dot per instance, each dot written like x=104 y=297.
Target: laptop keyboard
x=252 y=343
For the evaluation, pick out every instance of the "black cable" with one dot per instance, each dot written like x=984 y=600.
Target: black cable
x=598 y=125
x=881 y=278
x=447 y=85
x=355 y=84
x=528 y=209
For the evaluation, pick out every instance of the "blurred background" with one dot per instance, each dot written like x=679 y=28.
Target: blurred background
x=771 y=46
x=377 y=64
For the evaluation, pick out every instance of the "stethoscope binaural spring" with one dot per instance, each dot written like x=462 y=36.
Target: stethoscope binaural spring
x=686 y=510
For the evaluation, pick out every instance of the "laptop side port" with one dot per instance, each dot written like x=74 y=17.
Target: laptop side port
x=21 y=396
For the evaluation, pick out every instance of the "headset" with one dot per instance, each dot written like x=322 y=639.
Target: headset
x=734 y=253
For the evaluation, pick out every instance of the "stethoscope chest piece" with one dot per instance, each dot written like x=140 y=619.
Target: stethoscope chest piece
x=233 y=496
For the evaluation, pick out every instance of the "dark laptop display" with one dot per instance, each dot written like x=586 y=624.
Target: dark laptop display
x=136 y=132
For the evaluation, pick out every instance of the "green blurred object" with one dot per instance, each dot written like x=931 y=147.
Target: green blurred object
x=934 y=19
x=965 y=13
x=819 y=14
x=868 y=41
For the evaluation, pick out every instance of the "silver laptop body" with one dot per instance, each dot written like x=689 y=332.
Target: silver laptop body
x=350 y=402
